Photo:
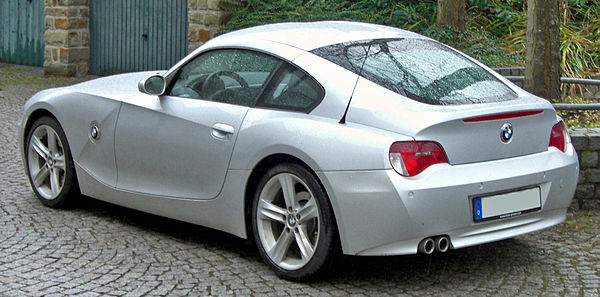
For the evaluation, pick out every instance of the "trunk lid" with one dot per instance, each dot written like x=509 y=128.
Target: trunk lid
x=485 y=140
x=467 y=132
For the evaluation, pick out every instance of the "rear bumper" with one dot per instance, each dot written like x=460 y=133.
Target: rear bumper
x=382 y=213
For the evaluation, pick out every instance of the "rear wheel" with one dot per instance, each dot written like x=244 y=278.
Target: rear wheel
x=293 y=223
x=49 y=164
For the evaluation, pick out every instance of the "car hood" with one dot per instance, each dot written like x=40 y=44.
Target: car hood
x=115 y=86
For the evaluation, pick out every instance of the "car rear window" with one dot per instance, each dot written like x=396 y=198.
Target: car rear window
x=423 y=70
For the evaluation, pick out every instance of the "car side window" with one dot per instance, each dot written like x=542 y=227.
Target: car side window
x=292 y=89
x=232 y=76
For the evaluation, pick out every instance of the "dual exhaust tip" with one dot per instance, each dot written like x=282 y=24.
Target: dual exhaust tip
x=438 y=243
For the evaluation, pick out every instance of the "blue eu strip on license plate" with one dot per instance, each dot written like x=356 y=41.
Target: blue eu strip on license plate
x=478 y=212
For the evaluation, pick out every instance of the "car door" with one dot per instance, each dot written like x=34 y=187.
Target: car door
x=179 y=144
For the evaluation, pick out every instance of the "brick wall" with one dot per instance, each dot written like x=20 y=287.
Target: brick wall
x=66 y=35
x=587 y=145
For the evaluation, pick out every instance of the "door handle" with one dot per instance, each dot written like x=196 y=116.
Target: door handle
x=222 y=131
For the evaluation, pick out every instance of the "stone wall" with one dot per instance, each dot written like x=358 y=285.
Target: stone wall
x=66 y=35
x=204 y=18
x=587 y=145
x=512 y=71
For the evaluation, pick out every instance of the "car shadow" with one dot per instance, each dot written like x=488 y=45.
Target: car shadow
x=173 y=229
x=416 y=271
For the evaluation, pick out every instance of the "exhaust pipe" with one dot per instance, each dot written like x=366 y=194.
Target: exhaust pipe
x=426 y=246
x=442 y=244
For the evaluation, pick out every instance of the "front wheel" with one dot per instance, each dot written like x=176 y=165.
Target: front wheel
x=293 y=223
x=49 y=163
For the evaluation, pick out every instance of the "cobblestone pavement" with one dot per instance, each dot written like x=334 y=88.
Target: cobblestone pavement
x=100 y=249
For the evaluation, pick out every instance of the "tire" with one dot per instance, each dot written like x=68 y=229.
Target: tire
x=49 y=164
x=297 y=237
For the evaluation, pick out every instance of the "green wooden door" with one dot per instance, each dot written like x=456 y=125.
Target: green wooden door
x=22 y=32
x=136 y=35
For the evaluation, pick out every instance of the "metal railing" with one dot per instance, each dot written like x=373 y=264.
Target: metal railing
x=570 y=106
x=569 y=80
x=564 y=80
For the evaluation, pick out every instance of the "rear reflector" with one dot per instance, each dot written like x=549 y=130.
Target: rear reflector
x=501 y=116
x=410 y=158
x=559 y=136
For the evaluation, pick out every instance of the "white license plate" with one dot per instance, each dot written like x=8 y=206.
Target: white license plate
x=506 y=205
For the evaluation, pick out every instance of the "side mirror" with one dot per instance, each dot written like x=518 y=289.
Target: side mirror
x=153 y=85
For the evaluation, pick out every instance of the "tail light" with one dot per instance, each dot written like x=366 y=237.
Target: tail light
x=559 y=136
x=412 y=157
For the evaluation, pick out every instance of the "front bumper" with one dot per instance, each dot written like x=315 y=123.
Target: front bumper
x=382 y=213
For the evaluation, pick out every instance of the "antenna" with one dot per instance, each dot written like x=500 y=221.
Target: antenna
x=343 y=119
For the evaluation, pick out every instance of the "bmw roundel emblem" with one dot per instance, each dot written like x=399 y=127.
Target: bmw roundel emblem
x=506 y=132
x=94 y=131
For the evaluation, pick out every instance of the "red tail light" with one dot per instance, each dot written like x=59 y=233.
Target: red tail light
x=559 y=136
x=412 y=157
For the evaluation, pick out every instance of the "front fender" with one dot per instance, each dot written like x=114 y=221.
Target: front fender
x=76 y=112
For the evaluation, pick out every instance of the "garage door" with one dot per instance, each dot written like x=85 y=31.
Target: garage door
x=22 y=32
x=136 y=35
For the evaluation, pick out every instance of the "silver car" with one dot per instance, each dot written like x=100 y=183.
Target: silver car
x=313 y=139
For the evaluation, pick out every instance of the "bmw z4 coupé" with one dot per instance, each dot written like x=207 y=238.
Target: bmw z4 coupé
x=313 y=139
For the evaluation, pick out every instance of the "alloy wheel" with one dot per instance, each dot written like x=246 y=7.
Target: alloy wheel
x=288 y=221
x=46 y=162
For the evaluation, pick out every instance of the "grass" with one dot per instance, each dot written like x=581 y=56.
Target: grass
x=19 y=75
x=580 y=118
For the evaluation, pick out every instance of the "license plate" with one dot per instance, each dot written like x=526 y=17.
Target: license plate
x=506 y=205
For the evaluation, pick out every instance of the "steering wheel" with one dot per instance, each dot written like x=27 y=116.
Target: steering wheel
x=211 y=84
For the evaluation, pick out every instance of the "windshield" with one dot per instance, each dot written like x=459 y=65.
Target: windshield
x=423 y=70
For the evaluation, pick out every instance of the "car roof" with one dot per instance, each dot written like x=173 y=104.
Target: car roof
x=311 y=35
